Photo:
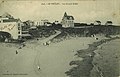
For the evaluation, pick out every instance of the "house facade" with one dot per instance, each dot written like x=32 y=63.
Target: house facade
x=67 y=20
x=44 y=22
x=14 y=27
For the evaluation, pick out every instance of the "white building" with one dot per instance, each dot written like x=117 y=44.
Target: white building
x=42 y=23
x=14 y=27
x=67 y=20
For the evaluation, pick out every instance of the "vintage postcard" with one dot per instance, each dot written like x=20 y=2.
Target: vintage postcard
x=59 y=38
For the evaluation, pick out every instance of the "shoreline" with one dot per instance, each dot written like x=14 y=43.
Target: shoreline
x=83 y=68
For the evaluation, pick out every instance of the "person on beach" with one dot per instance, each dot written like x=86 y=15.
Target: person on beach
x=20 y=47
x=96 y=38
x=46 y=43
x=38 y=67
x=23 y=44
x=16 y=52
x=37 y=39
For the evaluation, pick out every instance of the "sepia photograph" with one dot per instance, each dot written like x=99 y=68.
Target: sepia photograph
x=59 y=38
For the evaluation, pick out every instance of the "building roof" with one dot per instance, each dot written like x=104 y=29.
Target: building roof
x=7 y=15
x=98 y=21
x=11 y=20
x=68 y=16
x=109 y=21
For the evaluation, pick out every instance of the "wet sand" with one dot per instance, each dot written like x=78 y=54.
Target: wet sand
x=107 y=59
x=88 y=66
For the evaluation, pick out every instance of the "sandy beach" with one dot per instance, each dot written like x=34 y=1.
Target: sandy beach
x=53 y=59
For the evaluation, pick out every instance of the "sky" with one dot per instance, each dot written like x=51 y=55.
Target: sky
x=84 y=11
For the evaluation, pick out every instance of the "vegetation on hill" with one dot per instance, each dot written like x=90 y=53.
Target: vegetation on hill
x=42 y=32
x=67 y=33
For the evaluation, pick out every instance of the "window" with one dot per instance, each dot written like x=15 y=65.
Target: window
x=18 y=28
x=19 y=37
x=18 y=24
x=19 y=32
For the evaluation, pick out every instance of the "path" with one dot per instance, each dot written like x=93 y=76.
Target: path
x=51 y=37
